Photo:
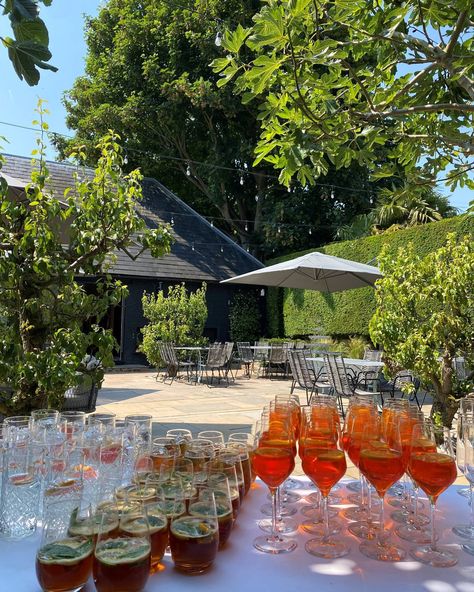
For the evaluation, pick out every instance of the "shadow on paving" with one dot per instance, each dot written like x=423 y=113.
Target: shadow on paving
x=114 y=394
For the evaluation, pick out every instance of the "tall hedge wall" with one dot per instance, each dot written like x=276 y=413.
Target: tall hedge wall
x=297 y=312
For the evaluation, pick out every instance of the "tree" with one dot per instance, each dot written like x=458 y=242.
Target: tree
x=148 y=76
x=179 y=317
x=28 y=50
x=49 y=321
x=323 y=101
x=425 y=316
x=400 y=208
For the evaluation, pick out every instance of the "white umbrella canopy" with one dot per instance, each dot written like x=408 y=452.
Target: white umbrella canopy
x=314 y=271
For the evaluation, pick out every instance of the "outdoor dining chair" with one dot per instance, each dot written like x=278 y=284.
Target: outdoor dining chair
x=397 y=387
x=246 y=357
x=304 y=375
x=216 y=365
x=341 y=384
x=173 y=364
x=277 y=360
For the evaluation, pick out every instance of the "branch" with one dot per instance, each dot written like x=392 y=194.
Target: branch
x=413 y=81
x=361 y=86
x=439 y=107
x=457 y=31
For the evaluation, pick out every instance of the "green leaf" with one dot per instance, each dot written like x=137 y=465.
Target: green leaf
x=24 y=9
x=31 y=30
x=27 y=57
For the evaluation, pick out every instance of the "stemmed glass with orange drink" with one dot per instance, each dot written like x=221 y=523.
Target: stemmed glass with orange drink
x=273 y=461
x=381 y=462
x=433 y=468
x=324 y=462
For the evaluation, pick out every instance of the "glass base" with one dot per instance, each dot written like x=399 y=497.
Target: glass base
x=403 y=517
x=317 y=513
x=384 y=551
x=289 y=497
x=291 y=484
x=465 y=531
x=329 y=549
x=439 y=557
x=364 y=530
x=319 y=528
x=266 y=510
x=465 y=492
x=274 y=545
x=414 y=534
x=315 y=497
x=359 y=514
x=468 y=548
x=284 y=526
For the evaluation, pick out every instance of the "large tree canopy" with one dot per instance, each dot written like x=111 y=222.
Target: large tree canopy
x=28 y=49
x=148 y=76
x=324 y=101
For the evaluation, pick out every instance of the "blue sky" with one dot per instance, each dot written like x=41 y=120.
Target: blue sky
x=65 y=21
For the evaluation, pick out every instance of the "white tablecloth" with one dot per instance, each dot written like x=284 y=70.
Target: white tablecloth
x=241 y=568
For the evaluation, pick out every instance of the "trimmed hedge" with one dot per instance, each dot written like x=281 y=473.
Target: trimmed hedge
x=298 y=312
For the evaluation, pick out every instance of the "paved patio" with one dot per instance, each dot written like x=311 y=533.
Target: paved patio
x=195 y=406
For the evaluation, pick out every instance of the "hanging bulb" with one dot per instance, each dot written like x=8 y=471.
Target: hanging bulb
x=218 y=39
x=188 y=171
x=222 y=249
x=192 y=247
x=332 y=192
x=212 y=223
x=288 y=189
x=241 y=179
x=125 y=159
x=310 y=231
x=279 y=229
x=172 y=221
x=246 y=227
x=256 y=198
x=248 y=250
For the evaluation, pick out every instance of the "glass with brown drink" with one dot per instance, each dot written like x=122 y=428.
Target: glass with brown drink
x=63 y=560
x=194 y=537
x=122 y=560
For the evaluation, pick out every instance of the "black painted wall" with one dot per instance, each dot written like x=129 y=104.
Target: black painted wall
x=217 y=325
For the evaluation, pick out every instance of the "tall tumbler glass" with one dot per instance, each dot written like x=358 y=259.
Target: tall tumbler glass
x=20 y=495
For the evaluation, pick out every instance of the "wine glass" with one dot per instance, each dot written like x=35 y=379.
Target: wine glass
x=324 y=462
x=381 y=462
x=465 y=441
x=433 y=468
x=273 y=461
x=468 y=432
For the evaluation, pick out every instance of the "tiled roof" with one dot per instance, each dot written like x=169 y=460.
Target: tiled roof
x=204 y=262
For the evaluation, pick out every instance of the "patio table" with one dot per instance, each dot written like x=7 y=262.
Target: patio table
x=195 y=350
x=241 y=568
x=355 y=363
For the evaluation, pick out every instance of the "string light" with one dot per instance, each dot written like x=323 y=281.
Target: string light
x=222 y=249
x=246 y=227
x=212 y=223
x=172 y=221
x=332 y=192
x=241 y=179
x=188 y=170
x=310 y=232
x=192 y=247
x=218 y=39
x=279 y=229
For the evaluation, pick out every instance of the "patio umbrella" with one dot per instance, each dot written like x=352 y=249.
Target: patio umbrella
x=314 y=271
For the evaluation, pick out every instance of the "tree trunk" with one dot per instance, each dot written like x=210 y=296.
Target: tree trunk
x=445 y=404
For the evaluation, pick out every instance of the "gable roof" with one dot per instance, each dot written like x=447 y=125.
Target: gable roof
x=200 y=252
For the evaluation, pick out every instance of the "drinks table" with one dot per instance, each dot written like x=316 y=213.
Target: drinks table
x=241 y=568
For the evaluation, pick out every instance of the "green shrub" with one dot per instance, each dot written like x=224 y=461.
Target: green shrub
x=291 y=312
x=178 y=317
x=244 y=316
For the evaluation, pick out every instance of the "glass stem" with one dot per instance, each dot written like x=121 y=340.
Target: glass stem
x=471 y=501
x=278 y=504
x=432 y=518
x=382 y=520
x=415 y=504
x=273 y=492
x=369 y=503
x=326 y=518
x=362 y=489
